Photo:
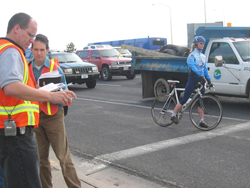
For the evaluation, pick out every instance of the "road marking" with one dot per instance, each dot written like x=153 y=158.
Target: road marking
x=146 y=107
x=91 y=168
x=140 y=150
x=111 y=102
x=110 y=85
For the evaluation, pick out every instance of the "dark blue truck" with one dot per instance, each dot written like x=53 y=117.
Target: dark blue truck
x=231 y=44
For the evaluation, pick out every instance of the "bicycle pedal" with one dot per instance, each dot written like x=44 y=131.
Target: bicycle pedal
x=175 y=120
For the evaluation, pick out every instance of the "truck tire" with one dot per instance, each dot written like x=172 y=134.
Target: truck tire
x=130 y=76
x=106 y=74
x=175 y=50
x=161 y=87
x=91 y=84
x=170 y=51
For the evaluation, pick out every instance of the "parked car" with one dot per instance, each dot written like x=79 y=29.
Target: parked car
x=28 y=55
x=108 y=62
x=75 y=69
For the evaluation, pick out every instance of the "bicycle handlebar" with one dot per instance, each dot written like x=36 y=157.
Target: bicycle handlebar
x=200 y=86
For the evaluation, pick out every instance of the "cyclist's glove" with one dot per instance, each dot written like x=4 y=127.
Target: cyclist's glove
x=202 y=80
x=209 y=84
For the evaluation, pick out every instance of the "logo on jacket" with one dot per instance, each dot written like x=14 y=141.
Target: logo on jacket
x=201 y=63
x=217 y=74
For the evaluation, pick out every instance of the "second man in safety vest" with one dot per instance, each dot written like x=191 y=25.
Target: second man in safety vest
x=51 y=130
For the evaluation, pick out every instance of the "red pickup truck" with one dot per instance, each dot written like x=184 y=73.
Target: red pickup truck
x=108 y=62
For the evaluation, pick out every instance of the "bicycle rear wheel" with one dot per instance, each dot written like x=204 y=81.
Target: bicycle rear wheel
x=212 y=109
x=162 y=110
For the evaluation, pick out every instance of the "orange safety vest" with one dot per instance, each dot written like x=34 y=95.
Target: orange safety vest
x=47 y=107
x=25 y=113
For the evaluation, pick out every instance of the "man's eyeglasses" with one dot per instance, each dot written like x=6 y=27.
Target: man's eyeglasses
x=30 y=35
x=201 y=43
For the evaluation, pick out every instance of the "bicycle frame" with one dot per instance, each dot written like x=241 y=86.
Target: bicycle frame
x=185 y=106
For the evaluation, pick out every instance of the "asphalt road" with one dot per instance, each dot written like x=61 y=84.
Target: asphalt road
x=112 y=124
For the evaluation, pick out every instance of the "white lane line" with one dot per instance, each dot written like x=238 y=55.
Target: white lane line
x=110 y=85
x=140 y=150
x=146 y=107
x=117 y=103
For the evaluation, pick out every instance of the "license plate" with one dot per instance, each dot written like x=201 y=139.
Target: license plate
x=84 y=76
x=125 y=68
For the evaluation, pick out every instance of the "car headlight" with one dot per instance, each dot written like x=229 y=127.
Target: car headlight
x=114 y=63
x=94 y=69
x=67 y=71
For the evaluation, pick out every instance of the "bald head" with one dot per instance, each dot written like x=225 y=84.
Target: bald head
x=21 y=19
x=22 y=29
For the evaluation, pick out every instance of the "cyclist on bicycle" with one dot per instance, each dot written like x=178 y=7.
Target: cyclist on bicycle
x=198 y=72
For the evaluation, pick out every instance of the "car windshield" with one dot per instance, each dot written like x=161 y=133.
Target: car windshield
x=66 y=57
x=125 y=51
x=243 y=47
x=109 y=53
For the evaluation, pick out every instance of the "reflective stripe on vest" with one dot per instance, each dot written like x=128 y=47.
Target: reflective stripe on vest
x=52 y=66
x=52 y=61
x=6 y=45
x=26 y=71
x=27 y=106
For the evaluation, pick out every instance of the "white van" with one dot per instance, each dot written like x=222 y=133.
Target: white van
x=97 y=46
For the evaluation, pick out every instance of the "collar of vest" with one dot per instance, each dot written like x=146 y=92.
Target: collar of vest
x=14 y=43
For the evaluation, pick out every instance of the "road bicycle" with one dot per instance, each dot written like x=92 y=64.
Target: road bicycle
x=199 y=104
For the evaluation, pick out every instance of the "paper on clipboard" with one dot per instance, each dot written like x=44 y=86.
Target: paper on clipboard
x=49 y=77
x=53 y=87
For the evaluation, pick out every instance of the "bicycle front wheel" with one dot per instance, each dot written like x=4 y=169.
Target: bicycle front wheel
x=210 y=109
x=162 y=109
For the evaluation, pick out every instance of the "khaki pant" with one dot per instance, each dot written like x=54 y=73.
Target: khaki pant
x=51 y=130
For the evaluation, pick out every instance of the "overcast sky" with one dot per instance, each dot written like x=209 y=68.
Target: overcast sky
x=86 y=21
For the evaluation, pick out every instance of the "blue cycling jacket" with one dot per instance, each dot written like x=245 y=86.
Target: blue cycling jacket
x=197 y=63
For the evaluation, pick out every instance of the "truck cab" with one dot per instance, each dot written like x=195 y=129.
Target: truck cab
x=233 y=44
x=231 y=77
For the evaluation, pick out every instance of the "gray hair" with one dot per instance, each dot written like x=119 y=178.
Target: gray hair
x=21 y=19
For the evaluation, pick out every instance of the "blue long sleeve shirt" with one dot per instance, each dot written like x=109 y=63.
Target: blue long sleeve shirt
x=197 y=63
x=37 y=74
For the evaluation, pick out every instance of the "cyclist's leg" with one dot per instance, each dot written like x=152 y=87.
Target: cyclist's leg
x=190 y=86
x=177 y=108
x=200 y=111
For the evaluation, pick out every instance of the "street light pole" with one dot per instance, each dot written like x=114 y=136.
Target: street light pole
x=169 y=18
x=205 y=10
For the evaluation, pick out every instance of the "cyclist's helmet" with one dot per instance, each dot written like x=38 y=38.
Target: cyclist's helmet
x=199 y=39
